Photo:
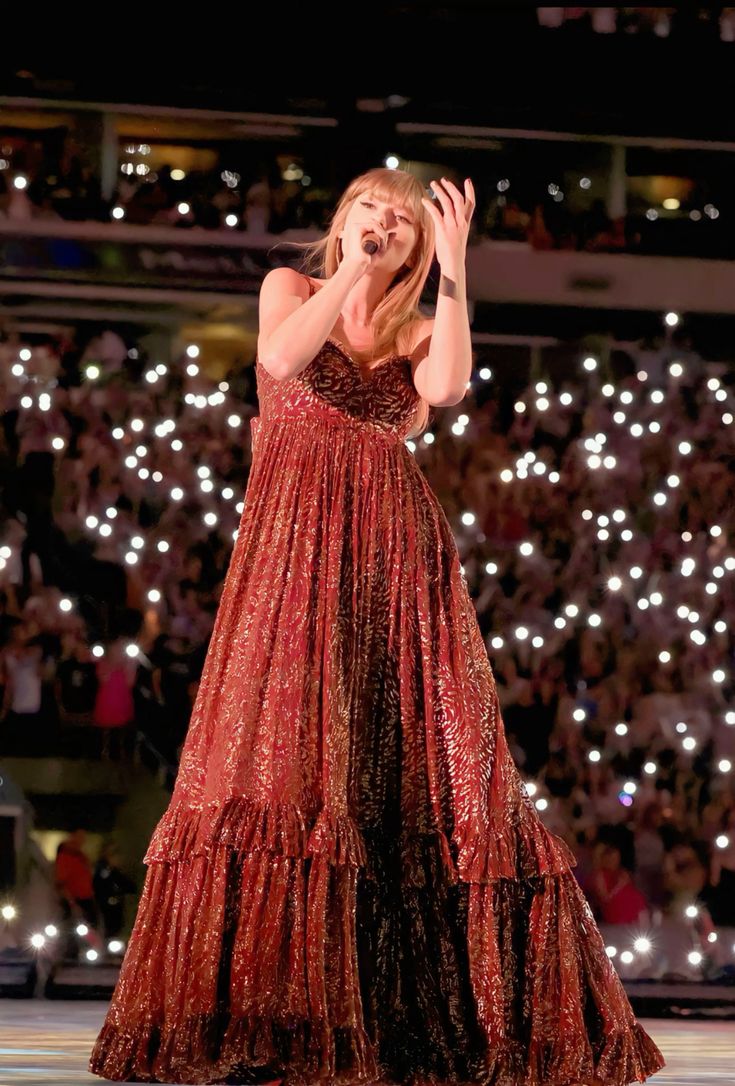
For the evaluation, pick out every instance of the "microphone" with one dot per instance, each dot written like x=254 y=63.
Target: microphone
x=371 y=243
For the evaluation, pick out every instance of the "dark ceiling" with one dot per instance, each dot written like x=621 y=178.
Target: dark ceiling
x=460 y=63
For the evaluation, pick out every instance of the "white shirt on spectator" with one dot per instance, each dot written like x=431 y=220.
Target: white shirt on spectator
x=26 y=683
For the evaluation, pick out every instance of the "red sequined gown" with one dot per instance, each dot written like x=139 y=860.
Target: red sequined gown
x=351 y=883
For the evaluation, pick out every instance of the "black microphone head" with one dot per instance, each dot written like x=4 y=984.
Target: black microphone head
x=370 y=246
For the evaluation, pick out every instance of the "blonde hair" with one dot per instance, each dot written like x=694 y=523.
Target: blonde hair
x=397 y=313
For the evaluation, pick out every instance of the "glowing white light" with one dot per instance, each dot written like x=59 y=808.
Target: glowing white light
x=183 y=208
x=8 y=912
x=132 y=650
x=154 y=595
x=621 y=729
x=468 y=518
x=542 y=804
x=614 y=583
x=521 y=633
x=722 y=841
x=82 y=929
x=115 y=946
x=192 y=370
x=163 y=545
x=689 y=743
x=611 y=951
x=650 y=768
x=642 y=945
x=51 y=930
x=137 y=541
x=594 y=755
x=724 y=765
x=672 y=319
x=694 y=958
x=630 y=787
x=531 y=788
x=65 y=604
x=92 y=955
x=691 y=912
x=38 y=941
x=626 y=957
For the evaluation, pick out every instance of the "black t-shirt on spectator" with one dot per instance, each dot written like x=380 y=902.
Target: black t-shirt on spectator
x=78 y=684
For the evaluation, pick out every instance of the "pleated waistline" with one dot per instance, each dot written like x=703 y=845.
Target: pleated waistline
x=360 y=427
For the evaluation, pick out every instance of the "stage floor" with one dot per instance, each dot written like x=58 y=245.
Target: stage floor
x=49 y=1041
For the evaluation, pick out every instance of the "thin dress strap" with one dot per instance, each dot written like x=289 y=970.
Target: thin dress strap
x=312 y=288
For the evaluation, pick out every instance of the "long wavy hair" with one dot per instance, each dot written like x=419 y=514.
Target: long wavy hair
x=397 y=313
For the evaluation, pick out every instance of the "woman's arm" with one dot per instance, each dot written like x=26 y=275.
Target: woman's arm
x=293 y=326
x=442 y=377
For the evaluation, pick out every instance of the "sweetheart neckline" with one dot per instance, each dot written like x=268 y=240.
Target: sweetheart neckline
x=343 y=350
x=364 y=376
